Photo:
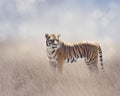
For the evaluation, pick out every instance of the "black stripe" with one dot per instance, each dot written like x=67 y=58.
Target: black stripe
x=73 y=50
x=91 y=62
x=73 y=60
x=87 y=50
x=69 y=50
x=100 y=55
x=92 y=59
x=52 y=51
x=77 y=56
x=79 y=50
x=68 y=60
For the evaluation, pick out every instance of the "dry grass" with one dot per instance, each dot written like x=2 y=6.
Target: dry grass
x=24 y=71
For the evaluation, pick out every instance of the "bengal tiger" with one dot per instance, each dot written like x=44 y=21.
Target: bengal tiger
x=59 y=52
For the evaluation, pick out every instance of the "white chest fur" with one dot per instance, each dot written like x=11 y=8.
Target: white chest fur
x=51 y=54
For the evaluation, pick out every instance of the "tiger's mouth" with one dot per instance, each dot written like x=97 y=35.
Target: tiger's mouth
x=54 y=47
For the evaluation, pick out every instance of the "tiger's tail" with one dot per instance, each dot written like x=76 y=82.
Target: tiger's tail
x=101 y=57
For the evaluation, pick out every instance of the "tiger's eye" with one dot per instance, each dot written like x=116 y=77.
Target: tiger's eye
x=52 y=41
x=49 y=43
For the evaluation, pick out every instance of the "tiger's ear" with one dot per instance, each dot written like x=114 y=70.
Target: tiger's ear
x=58 y=36
x=46 y=35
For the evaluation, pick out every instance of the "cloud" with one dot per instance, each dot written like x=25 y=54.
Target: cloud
x=7 y=31
x=74 y=20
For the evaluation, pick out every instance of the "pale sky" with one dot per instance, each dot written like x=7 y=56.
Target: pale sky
x=96 y=20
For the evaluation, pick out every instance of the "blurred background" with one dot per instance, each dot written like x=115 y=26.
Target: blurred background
x=73 y=19
x=24 y=67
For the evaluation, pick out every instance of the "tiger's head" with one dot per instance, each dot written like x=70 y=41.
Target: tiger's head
x=52 y=41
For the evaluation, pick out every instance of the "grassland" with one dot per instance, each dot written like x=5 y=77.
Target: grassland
x=24 y=71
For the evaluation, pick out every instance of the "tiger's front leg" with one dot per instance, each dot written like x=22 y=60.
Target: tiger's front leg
x=59 y=66
x=53 y=65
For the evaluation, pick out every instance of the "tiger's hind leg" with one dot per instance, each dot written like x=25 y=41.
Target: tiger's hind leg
x=92 y=65
x=93 y=68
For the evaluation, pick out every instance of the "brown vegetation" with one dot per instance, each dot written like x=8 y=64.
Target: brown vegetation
x=24 y=71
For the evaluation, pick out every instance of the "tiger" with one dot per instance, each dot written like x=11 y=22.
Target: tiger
x=60 y=52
